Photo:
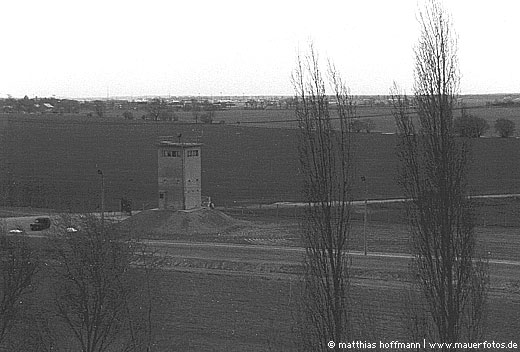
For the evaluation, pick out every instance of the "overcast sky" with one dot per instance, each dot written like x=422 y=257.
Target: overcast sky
x=93 y=48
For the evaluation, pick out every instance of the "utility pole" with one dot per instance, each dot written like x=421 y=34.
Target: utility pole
x=363 y=178
x=182 y=171
x=183 y=180
x=102 y=197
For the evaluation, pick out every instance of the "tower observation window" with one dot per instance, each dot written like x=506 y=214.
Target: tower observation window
x=171 y=153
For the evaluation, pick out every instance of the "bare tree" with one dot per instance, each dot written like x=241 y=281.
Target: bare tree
x=99 y=108
x=325 y=159
x=18 y=268
x=159 y=110
x=196 y=112
x=449 y=276
x=140 y=309
x=469 y=125
x=96 y=287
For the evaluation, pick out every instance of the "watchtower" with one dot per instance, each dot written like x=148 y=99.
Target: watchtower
x=179 y=171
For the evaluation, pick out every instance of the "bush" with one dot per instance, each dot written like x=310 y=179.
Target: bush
x=504 y=127
x=128 y=115
x=359 y=125
x=207 y=117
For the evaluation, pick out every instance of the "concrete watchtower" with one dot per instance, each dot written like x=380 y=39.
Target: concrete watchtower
x=179 y=171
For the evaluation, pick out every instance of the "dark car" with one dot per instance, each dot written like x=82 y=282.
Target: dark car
x=41 y=224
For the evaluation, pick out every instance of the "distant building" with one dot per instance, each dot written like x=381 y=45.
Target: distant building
x=179 y=175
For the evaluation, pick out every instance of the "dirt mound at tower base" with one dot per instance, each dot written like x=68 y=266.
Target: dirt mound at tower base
x=169 y=222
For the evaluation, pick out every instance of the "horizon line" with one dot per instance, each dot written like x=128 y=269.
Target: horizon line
x=220 y=96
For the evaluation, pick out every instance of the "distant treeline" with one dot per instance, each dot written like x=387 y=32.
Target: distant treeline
x=154 y=108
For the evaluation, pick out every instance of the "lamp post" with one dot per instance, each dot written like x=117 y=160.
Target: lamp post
x=363 y=178
x=102 y=196
x=183 y=178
